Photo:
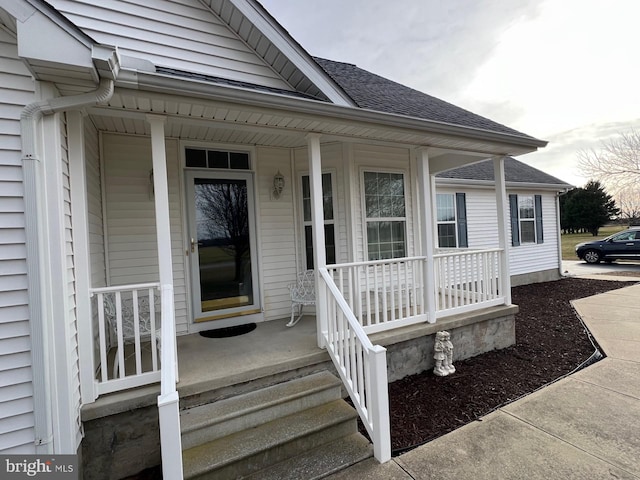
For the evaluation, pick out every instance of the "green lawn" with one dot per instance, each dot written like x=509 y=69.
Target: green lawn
x=569 y=241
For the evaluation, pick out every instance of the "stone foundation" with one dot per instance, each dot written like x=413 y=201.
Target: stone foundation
x=535 y=277
x=410 y=349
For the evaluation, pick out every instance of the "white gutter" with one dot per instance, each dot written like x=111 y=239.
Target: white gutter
x=454 y=182
x=37 y=250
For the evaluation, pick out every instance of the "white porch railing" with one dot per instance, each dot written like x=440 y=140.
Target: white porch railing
x=467 y=280
x=127 y=328
x=383 y=294
x=362 y=366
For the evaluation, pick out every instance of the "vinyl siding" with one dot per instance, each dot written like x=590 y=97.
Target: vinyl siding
x=16 y=390
x=71 y=316
x=277 y=235
x=180 y=34
x=482 y=229
x=97 y=260
x=536 y=257
x=94 y=205
x=130 y=216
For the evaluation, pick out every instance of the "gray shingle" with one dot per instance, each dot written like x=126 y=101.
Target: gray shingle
x=374 y=92
x=514 y=171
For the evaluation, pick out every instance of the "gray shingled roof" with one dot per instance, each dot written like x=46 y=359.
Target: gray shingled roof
x=374 y=92
x=514 y=171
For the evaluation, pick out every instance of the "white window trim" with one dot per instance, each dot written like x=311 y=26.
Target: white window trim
x=454 y=221
x=363 y=207
x=307 y=223
x=532 y=219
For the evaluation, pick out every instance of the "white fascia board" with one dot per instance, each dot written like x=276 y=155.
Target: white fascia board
x=457 y=182
x=167 y=84
x=279 y=37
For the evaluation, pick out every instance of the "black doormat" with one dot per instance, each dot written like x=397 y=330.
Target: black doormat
x=229 y=331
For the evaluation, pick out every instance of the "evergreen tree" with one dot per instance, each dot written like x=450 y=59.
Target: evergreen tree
x=587 y=208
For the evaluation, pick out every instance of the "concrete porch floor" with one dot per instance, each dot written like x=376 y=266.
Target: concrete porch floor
x=207 y=364
x=212 y=363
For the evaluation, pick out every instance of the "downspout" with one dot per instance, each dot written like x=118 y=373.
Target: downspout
x=559 y=230
x=36 y=250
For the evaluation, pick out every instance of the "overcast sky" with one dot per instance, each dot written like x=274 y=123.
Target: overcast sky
x=565 y=71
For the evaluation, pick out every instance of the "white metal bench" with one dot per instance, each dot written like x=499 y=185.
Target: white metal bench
x=303 y=292
x=128 y=322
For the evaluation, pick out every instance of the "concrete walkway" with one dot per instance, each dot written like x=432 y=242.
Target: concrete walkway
x=585 y=426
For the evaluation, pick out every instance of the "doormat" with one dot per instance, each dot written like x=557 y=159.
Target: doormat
x=229 y=331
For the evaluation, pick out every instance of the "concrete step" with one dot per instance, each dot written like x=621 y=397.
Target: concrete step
x=320 y=462
x=250 y=451
x=208 y=422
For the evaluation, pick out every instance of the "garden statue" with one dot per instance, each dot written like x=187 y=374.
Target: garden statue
x=443 y=354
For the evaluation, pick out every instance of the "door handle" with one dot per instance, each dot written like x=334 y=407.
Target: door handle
x=193 y=245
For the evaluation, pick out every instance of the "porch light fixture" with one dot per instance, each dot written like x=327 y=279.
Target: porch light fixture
x=278 y=185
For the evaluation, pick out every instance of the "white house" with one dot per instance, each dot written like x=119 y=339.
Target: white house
x=466 y=216
x=169 y=167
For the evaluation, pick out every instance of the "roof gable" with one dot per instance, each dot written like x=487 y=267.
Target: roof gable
x=230 y=39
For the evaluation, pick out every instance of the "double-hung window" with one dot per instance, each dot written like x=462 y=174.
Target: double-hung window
x=385 y=215
x=451 y=218
x=329 y=221
x=526 y=219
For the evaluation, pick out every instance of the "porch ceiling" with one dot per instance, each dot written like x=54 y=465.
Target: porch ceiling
x=228 y=122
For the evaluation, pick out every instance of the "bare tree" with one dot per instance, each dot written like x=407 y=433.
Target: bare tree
x=628 y=202
x=224 y=205
x=616 y=163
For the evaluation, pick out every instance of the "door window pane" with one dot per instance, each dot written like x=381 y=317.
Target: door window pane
x=203 y=158
x=224 y=252
x=195 y=157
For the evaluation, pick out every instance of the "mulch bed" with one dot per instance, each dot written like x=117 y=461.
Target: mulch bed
x=551 y=342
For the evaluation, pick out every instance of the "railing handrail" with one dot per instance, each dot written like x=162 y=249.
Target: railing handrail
x=467 y=252
x=374 y=262
x=122 y=288
x=346 y=310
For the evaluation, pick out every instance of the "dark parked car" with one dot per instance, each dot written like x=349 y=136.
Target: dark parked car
x=619 y=246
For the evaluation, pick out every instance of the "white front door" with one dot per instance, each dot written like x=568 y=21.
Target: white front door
x=222 y=244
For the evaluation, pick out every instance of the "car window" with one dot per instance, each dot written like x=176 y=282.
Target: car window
x=624 y=236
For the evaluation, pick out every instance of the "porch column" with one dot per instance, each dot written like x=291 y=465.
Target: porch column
x=427 y=194
x=168 y=412
x=317 y=226
x=503 y=234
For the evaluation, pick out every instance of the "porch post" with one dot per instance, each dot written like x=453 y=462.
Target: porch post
x=169 y=416
x=79 y=209
x=503 y=235
x=317 y=225
x=427 y=193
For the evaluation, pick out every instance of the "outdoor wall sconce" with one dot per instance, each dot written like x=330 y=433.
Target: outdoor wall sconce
x=278 y=185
